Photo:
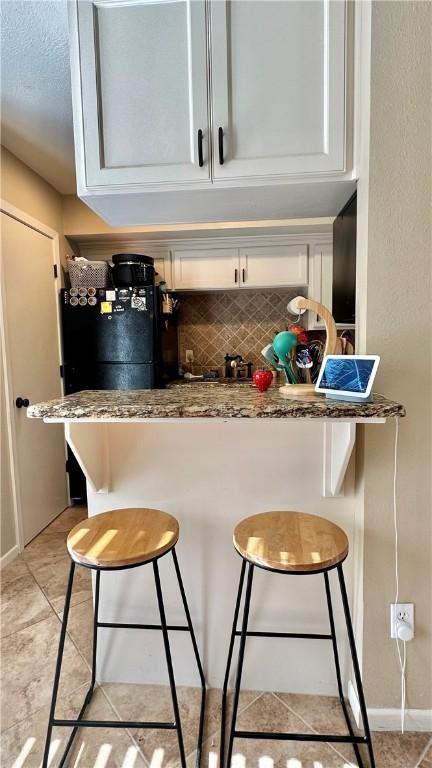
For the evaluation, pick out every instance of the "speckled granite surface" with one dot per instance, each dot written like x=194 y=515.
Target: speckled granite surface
x=204 y=401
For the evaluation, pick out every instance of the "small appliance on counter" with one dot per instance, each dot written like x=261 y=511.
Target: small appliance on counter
x=237 y=368
x=348 y=377
x=115 y=338
x=132 y=269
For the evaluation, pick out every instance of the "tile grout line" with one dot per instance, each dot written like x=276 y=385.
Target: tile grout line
x=293 y=712
x=56 y=614
x=424 y=753
x=127 y=730
x=27 y=626
x=215 y=734
x=40 y=709
x=32 y=623
x=192 y=753
x=20 y=576
x=72 y=605
x=60 y=619
x=77 y=648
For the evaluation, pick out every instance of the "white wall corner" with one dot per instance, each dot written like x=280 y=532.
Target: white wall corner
x=9 y=556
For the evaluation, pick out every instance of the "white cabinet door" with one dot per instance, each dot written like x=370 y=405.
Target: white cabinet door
x=278 y=80
x=276 y=265
x=320 y=280
x=140 y=71
x=211 y=268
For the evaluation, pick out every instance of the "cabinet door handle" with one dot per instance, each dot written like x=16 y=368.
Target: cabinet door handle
x=235 y=275
x=244 y=275
x=220 y=144
x=200 y=148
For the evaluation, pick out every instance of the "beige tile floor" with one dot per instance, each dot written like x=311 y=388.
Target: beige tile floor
x=32 y=596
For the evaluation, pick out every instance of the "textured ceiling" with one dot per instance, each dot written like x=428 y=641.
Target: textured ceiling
x=36 y=117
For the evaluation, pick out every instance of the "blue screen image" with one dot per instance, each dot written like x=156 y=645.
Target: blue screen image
x=347 y=375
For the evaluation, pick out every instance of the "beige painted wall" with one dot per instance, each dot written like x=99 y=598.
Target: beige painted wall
x=26 y=190
x=399 y=327
x=22 y=187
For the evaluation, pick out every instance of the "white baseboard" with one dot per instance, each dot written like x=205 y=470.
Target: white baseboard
x=390 y=720
x=354 y=703
x=9 y=556
x=383 y=719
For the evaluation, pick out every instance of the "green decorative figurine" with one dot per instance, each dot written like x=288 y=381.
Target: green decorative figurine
x=283 y=345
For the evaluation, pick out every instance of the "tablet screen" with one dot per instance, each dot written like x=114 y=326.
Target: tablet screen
x=347 y=375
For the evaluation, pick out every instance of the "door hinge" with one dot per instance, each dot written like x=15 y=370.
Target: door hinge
x=67 y=466
x=55 y=270
x=61 y=372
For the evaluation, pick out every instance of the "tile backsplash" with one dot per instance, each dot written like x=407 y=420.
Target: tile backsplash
x=237 y=322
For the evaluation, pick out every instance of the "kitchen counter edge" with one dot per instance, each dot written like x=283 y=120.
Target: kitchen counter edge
x=247 y=403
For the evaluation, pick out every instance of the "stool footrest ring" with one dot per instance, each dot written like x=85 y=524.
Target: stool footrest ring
x=300 y=737
x=114 y=724
x=171 y=627
x=300 y=635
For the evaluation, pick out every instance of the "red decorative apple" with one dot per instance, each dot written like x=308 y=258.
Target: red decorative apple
x=262 y=379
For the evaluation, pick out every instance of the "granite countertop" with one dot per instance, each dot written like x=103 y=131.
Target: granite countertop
x=204 y=400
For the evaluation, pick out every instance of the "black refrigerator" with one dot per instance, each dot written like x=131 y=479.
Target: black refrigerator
x=114 y=339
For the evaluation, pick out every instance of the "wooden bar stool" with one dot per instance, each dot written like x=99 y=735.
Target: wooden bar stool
x=117 y=540
x=298 y=544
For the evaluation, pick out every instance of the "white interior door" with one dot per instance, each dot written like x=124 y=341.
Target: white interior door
x=143 y=75
x=278 y=87
x=32 y=353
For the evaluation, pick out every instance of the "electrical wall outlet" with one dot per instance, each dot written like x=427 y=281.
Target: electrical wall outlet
x=189 y=356
x=401 y=613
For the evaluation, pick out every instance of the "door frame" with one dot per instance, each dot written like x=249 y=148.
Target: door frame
x=28 y=221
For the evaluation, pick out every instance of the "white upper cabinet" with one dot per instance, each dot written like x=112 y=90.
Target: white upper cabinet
x=274 y=266
x=262 y=266
x=278 y=87
x=212 y=110
x=143 y=80
x=206 y=268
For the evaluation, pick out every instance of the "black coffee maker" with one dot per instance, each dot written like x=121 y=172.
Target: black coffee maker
x=132 y=269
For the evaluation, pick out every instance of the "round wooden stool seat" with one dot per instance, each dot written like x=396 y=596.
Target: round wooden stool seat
x=292 y=542
x=122 y=537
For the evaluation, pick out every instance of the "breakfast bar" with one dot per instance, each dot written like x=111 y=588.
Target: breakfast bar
x=243 y=452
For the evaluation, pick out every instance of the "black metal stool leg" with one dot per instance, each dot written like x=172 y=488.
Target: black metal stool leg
x=58 y=664
x=169 y=664
x=240 y=661
x=338 y=673
x=89 y=693
x=356 y=665
x=197 y=657
x=228 y=666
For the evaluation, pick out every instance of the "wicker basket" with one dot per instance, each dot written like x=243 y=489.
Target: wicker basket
x=89 y=274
